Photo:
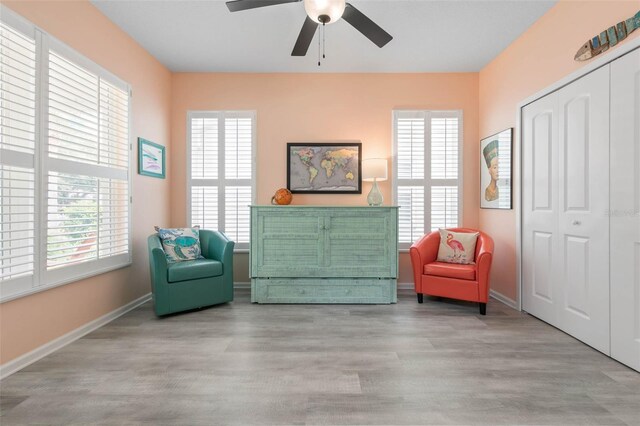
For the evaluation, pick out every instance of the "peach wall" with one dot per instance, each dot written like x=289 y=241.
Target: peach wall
x=322 y=107
x=540 y=57
x=32 y=321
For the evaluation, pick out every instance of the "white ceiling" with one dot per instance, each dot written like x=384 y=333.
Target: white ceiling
x=429 y=36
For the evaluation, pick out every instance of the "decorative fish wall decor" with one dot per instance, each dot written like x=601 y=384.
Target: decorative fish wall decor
x=608 y=38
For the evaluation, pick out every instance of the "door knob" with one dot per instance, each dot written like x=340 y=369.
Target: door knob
x=577 y=222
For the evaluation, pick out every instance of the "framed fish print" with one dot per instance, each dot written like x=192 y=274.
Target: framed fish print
x=151 y=160
x=324 y=168
x=495 y=171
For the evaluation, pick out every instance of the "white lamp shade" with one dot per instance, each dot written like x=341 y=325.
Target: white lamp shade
x=332 y=8
x=374 y=168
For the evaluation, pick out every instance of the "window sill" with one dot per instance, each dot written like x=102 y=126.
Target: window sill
x=40 y=288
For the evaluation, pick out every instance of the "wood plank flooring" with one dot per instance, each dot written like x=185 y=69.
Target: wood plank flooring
x=438 y=363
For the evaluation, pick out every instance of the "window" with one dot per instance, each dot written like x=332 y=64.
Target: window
x=427 y=171
x=64 y=163
x=221 y=172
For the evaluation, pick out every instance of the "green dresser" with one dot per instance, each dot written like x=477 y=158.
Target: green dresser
x=313 y=254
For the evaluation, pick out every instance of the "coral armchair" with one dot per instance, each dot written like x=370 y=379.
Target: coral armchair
x=463 y=282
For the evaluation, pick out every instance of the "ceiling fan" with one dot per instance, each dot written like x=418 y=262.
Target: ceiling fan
x=321 y=12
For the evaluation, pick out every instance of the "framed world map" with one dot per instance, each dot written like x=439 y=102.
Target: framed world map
x=324 y=168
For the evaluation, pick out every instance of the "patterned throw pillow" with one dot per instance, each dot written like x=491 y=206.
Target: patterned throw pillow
x=457 y=247
x=180 y=243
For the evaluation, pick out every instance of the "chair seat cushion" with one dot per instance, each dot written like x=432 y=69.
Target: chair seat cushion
x=193 y=269
x=451 y=270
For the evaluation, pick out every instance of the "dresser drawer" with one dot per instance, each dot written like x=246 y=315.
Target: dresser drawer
x=323 y=290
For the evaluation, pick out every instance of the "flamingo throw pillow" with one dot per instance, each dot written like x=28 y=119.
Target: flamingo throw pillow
x=180 y=243
x=457 y=247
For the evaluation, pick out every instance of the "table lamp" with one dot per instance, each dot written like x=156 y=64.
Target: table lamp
x=374 y=170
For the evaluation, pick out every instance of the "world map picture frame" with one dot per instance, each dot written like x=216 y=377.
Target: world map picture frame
x=324 y=167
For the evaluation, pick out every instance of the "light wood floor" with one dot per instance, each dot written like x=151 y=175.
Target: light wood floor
x=435 y=363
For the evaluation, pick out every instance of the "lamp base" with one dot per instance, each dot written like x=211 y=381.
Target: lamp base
x=375 y=197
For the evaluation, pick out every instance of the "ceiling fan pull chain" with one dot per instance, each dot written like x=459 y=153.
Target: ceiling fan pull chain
x=323 y=42
x=319 y=47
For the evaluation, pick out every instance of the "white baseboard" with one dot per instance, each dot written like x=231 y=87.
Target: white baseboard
x=504 y=299
x=405 y=286
x=22 y=361
x=242 y=285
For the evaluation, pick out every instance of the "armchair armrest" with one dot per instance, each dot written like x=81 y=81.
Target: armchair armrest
x=157 y=257
x=216 y=246
x=422 y=252
x=483 y=262
x=158 y=272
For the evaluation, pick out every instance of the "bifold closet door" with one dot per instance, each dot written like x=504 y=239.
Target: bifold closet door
x=625 y=209
x=583 y=223
x=565 y=204
x=541 y=289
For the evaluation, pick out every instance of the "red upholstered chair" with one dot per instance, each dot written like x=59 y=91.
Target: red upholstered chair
x=463 y=282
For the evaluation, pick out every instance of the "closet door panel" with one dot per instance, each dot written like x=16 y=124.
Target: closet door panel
x=583 y=177
x=625 y=209
x=541 y=289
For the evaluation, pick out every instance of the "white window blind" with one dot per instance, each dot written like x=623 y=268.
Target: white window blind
x=18 y=220
x=221 y=164
x=64 y=168
x=18 y=96
x=88 y=196
x=427 y=171
x=504 y=159
x=18 y=90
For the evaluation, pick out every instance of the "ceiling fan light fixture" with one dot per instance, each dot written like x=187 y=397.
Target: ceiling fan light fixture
x=324 y=11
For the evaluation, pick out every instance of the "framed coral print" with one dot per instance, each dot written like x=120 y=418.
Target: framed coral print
x=495 y=171
x=324 y=168
x=151 y=159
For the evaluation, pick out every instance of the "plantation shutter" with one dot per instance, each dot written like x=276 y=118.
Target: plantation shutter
x=204 y=161
x=87 y=167
x=221 y=172
x=444 y=171
x=504 y=157
x=426 y=181
x=64 y=163
x=238 y=145
x=17 y=157
x=410 y=146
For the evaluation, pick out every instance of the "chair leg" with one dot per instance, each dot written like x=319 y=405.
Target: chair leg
x=483 y=309
x=420 y=297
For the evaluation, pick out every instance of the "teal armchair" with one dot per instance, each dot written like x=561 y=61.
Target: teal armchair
x=180 y=286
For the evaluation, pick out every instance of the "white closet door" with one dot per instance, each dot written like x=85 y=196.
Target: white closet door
x=583 y=222
x=625 y=209
x=541 y=288
x=565 y=200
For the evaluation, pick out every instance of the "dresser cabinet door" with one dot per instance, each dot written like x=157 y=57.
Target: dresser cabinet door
x=287 y=243
x=360 y=243
x=324 y=242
